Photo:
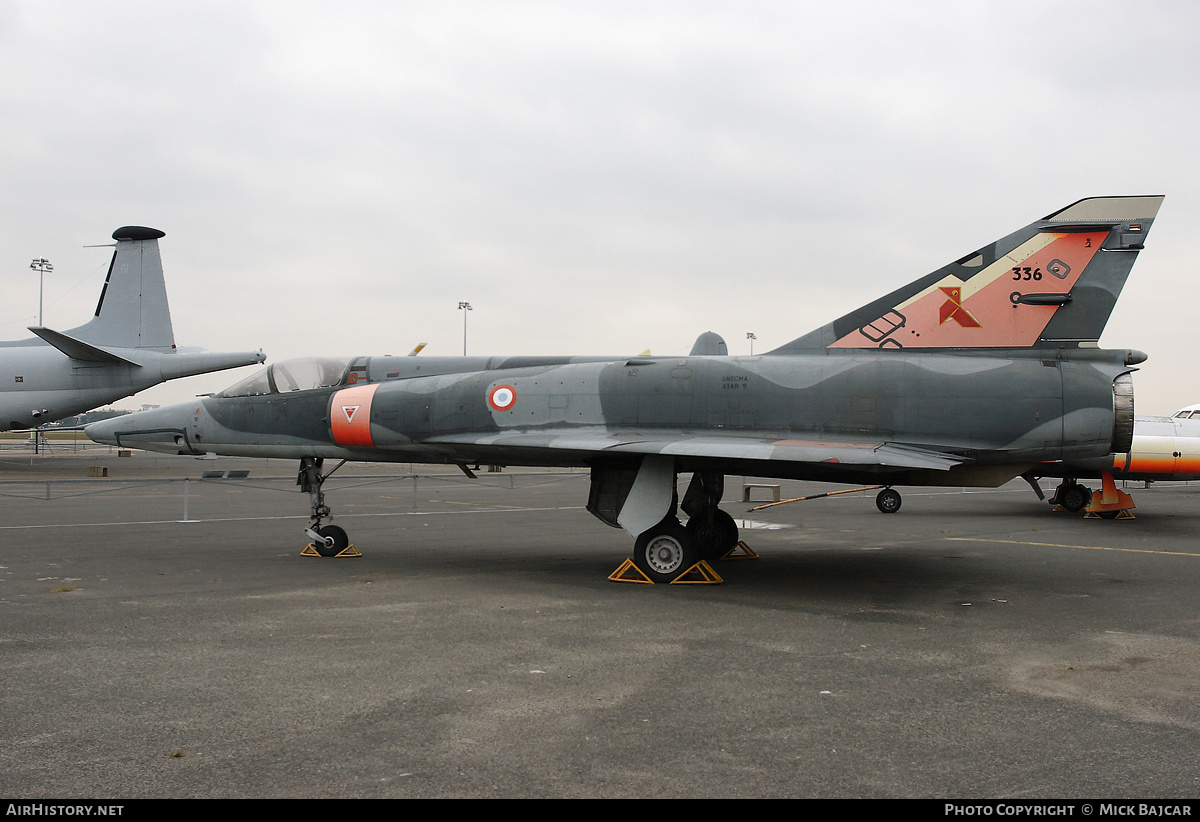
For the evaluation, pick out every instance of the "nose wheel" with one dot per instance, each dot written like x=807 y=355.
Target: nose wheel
x=329 y=540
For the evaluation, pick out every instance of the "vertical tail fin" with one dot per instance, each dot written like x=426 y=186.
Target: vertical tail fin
x=133 y=310
x=709 y=344
x=1052 y=284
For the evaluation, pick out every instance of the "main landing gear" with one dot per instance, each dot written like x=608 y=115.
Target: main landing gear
x=670 y=552
x=674 y=553
x=666 y=551
x=713 y=530
x=327 y=540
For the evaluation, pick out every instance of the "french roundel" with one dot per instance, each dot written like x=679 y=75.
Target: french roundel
x=502 y=397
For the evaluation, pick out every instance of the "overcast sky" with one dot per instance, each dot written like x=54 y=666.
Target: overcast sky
x=595 y=178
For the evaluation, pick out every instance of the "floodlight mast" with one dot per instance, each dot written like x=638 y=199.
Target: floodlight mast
x=464 y=308
x=41 y=265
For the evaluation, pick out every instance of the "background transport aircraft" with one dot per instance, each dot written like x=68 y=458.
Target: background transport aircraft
x=1163 y=449
x=128 y=346
x=972 y=375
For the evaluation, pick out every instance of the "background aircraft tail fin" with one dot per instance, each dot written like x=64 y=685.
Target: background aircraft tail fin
x=133 y=310
x=1052 y=284
x=709 y=344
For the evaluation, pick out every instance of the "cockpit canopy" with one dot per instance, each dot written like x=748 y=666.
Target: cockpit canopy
x=312 y=373
x=303 y=374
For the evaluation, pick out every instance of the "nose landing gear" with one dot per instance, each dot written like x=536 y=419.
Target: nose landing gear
x=327 y=540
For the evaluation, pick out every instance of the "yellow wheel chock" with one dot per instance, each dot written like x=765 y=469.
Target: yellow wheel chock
x=348 y=551
x=1121 y=513
x=628 y=572
x=740 y=551
x=699 y=574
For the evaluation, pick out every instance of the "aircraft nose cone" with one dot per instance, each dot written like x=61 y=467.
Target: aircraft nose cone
x=160 y=429
x=104 y=431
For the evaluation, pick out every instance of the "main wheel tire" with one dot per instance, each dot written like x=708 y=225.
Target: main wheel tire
x=665 y=551
x=888 y=501
x=340 y=541
x=715 y=539
x=1075 y=497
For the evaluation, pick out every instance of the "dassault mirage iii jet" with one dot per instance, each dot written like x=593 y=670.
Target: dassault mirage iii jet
x=126 y=347
x=971 y=375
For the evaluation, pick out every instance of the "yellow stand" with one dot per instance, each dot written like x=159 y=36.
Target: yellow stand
x=348 y=551
x=740 y=551
x=628 y=572
x=699 y=574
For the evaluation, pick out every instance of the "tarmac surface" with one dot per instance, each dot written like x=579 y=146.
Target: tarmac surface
x=973 y=645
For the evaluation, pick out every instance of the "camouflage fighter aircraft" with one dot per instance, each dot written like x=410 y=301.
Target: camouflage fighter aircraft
x=971 y=375
x=126 y=347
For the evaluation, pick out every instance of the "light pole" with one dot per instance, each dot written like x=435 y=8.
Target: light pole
x=41 y=265
x=464 y=308
x=750 y=336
